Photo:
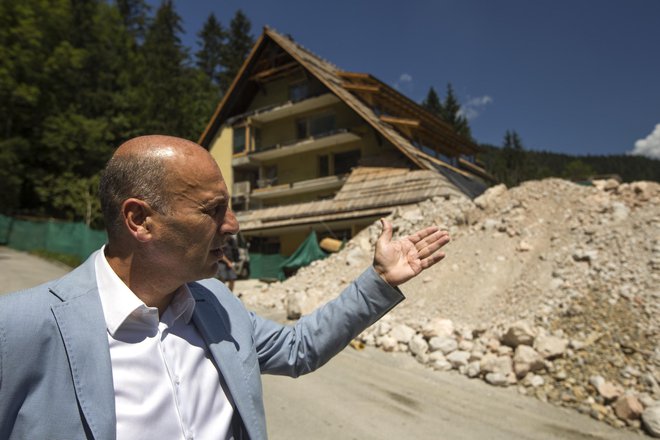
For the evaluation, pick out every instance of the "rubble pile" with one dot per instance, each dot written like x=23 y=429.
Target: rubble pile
x=550 y=287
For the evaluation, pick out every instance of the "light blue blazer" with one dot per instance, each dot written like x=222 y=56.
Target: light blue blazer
x=55 y=370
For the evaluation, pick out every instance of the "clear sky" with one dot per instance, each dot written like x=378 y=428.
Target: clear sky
x=578 y=77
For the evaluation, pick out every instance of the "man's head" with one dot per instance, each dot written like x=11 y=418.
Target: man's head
x=165 y=198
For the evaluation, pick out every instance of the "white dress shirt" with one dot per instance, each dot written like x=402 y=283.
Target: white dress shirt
x=166 y=385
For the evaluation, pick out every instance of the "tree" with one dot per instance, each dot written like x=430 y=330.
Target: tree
x=451 y=113
x=512 y=166
x=237 y=48
x=212 y=41
x=577 y=170
x=134 y=14
x=432 y=103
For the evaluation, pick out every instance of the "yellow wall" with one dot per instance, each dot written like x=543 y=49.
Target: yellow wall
x=290 y=242
x=221 y=150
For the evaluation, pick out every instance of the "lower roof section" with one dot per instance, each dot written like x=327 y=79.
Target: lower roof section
x=369 y=192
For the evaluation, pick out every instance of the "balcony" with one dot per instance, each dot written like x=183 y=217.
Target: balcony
x=325 y=140
x=292 y=108
x=302 y=187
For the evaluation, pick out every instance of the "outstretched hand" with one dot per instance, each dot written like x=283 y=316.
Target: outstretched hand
x=399 y=261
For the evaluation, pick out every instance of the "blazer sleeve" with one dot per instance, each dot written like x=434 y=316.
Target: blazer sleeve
x=316 y=338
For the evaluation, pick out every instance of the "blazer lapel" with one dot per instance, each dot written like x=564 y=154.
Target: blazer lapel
x=223 y=349
x=82 y=325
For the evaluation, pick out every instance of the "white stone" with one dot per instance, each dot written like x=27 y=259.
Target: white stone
x=473 y=369
x=445 y=344
x=550 y=347
x=497 y=379
x=418 y=345
x=387 y=343
x=651 y=420
x=438 y=327
x=458 y=358
x=402 y=333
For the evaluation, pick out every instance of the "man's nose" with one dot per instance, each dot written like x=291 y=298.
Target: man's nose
x=229 y=223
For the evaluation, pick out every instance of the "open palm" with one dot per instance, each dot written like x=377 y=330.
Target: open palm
x=400 y=260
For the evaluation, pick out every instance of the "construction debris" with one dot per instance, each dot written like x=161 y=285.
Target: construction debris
x=550 y=287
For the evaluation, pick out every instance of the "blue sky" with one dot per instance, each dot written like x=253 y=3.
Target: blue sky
x=578 y=77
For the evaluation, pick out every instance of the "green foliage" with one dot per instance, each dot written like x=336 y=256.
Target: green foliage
x=449 y=110
x=79 y=77
x=542 y=164
x=432 y=103
x=237 y=48
x=212 y=41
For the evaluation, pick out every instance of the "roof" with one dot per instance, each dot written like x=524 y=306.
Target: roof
x=368 y=191
x=355 y=90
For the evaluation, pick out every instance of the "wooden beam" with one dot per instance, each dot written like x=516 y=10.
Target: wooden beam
x=260 y=76
x=361 y=88
x=354 y=75
x=412 y=123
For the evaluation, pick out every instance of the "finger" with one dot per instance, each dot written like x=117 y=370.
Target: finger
x=386 y=234
x=430 y=245
x=420 y=235
x=431 y=260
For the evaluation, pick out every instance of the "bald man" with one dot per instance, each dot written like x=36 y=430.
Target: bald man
x=142 y=342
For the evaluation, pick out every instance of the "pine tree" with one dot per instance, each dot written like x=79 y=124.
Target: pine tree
x=212 y=40
x=451 y=113
x=134 y=14
x=432 y=103
x=512 y=168
x=237 y=48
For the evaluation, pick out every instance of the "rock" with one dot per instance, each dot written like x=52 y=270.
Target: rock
x=523 y=246
x=628 y=407
x=610 y=391
x=356 y=256
x=473 y=369
x=550 y=347
x=402 y=333
x=526 y=359
x=487 y=199
x=418 y=345
x=458 y=358
x=445 y=344
x=519 y=333
x=491 y=363
x=651 y=420
x=387 y=343
x=497 y=379
x=299 y=304
x=438 y=327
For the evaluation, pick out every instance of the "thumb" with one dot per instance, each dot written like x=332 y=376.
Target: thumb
x=386 y=234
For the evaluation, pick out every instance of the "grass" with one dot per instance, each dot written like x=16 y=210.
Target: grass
x=67 y=259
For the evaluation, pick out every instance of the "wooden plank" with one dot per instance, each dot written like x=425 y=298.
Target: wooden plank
x=394 y=120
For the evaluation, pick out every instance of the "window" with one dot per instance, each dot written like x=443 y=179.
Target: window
x=324 y=166
x=315 y=125
x=345 y=161
x=239 y=140
x=298 y=91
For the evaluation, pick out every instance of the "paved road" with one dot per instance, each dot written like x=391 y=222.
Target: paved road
x=374 y=395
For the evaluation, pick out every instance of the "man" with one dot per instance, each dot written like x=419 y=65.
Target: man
x=226 y=271
x=131 y=346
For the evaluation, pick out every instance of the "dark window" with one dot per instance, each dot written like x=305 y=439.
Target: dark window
x=298 y=91
x=314 y=126
x=239 y=140
x=345 y=161
x=324 y=166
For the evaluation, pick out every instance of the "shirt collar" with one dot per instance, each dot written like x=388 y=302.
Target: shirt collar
x=119 y=302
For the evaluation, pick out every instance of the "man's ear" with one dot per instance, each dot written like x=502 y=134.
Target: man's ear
x=137 y=214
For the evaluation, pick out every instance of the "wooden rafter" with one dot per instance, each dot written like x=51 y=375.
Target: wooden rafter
x=361 y=88
x=275 y=71
x=394 y=120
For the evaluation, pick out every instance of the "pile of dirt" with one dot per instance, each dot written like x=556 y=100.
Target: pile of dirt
x=576 y=267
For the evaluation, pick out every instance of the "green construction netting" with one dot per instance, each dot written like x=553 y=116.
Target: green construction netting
x=266 y=266
x=66 y=238
x=307 y=252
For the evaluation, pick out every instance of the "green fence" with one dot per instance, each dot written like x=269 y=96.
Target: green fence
x=51 y=235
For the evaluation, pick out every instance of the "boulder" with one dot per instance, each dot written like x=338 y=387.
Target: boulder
x=418 y=345
x=628 y=407
x=458 y=359
x=651 y=420
x=402 y=333
x=438 y=327
x=550 y=347
x=519 y=333
x=445 y=344
x=526 y=359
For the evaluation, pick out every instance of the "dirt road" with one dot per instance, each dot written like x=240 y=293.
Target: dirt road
x=374 y=395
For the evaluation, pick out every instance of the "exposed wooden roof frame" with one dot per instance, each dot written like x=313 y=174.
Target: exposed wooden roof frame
x=275 y=72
